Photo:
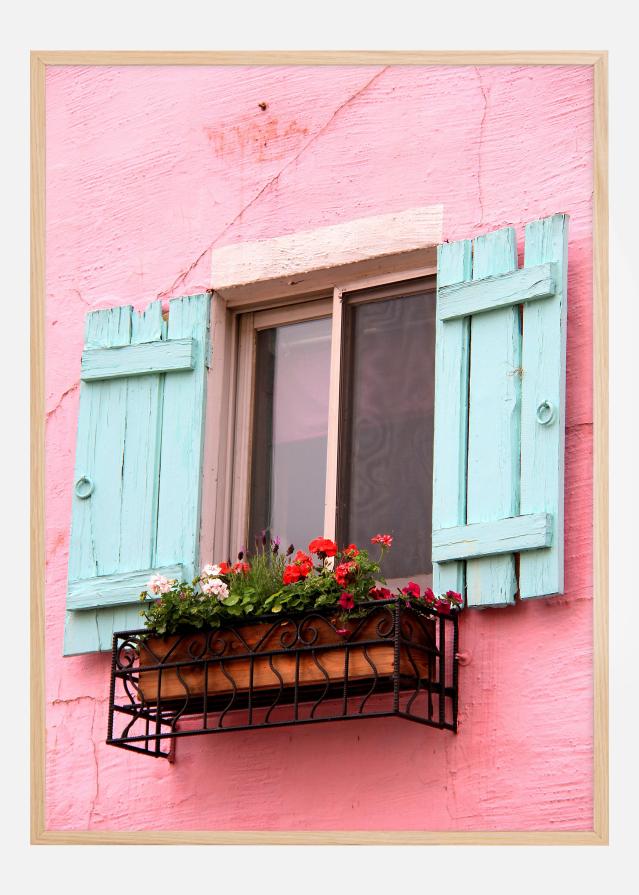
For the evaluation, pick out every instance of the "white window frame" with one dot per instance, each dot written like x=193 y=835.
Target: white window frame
x=259 y=285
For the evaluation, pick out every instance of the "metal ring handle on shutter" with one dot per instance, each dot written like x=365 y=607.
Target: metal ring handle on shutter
x=545 y=413
x=84 y=487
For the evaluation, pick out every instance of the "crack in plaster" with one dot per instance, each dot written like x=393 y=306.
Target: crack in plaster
x=480 y=197
x=92 y=699
x=56 y=406
x=96 y=794
x=181 y=278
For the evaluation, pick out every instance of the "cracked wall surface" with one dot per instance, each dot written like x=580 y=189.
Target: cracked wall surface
x=148 y=169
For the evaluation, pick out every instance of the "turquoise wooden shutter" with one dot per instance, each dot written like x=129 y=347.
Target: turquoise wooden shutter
x=499 y=415
x=136 y=494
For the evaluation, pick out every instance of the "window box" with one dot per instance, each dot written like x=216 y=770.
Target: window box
x=393 y=659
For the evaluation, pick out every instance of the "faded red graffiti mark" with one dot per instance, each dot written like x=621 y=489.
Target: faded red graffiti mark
x=261 y=140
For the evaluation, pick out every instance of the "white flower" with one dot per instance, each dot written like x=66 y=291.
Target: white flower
x=210 y=571
x=215 y=586
x=158 y=584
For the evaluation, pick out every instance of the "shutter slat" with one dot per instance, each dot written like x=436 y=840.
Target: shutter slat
x=137 y=360
x=95 y=529
x=141 y=461
x=527 y=284
x=454 y=265
x=116 y=590
x=182 y=440
x=489 y=538
x=493 y=422
x=542 y=444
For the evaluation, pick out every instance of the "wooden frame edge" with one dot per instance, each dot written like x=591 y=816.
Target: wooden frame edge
x=319 y=57
x=600 y=430
x=599 y=61
x=319 y=837
x=36 y=527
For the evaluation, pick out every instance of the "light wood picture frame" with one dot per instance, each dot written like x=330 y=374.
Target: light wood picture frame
x=598 y=61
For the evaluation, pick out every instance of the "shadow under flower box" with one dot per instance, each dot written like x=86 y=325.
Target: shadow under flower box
x=392 y=659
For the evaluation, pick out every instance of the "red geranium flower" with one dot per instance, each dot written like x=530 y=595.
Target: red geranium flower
x=351 y=550
x=384 y=540
x=429 y=595
x=343 y=572
x=225 y=568
x=323 y=547
x=380 y=593
x=291 y=574
x=301 y=566
x=454 y=597
x=240 y=568
x=346 y=600
x=304 y=561
x=443 y=606
x=411 y=590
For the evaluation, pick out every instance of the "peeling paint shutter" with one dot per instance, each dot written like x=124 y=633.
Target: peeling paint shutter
x=136 y=493
x=499 y=415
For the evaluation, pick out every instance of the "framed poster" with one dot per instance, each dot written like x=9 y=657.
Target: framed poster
x=319 y=349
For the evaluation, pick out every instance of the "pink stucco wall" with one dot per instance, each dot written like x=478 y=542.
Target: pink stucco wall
x=147 y=170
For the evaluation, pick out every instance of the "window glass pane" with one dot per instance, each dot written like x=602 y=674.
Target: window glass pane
x=290 y=431
x=386 y=441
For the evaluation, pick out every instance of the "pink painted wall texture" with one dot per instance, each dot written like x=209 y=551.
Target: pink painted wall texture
x=148 y=169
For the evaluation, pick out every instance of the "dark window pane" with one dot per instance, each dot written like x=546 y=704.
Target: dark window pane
x=290 y=430
x=386 y=441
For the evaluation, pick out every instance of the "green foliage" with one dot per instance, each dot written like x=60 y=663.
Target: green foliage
x=272 y=583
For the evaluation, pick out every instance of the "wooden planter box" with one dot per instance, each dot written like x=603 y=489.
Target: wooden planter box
x=272 y=654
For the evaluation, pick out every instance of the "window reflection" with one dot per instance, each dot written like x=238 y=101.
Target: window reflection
x=290 y=431
x=386 y=419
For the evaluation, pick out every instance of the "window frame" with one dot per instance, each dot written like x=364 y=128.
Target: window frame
x=226 y=501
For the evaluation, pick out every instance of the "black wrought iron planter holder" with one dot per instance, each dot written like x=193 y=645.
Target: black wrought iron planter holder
x=392 y=660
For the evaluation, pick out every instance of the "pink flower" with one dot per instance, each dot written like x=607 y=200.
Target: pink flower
x=384 y=540
x=216 y=587
x=411 y=590
x=344 y=571
x=211 y=571
x=158 y=584
x=346 y=600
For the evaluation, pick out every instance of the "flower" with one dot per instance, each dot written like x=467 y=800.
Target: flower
x=240 y=568
x=380 y=593
x=215 y=586
x=211 y=571
x=291 y=574
x=323 y=547
x=454 y=597
x=304 y=561
x=384 y=540
x=158 y=584
x=343 y=572
x=411 y=590
x=301 y=566
x=429 y=595
x=346 y=600
x=443 y=606
x=351 y=551
x=225 y=568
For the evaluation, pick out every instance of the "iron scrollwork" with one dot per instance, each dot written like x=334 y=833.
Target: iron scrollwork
x=389 y=660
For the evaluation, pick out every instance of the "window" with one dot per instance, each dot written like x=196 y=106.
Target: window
x=333 y=425
x=278 y=404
